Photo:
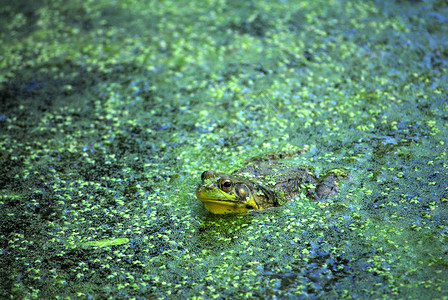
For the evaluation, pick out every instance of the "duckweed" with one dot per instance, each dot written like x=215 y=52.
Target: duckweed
x=110 y=113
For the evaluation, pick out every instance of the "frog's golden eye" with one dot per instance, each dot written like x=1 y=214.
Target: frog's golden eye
x=207 y=175
x=226 y=184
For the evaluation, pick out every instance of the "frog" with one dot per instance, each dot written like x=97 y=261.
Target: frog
x=263 y=184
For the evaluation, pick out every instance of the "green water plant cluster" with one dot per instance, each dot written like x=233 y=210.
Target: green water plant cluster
x=110 y=111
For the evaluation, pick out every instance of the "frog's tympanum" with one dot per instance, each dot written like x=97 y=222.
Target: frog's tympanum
x=262 y=185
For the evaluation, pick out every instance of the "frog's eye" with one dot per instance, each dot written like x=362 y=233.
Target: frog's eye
x=242 y=191
x=207 y=175
x=226 y=184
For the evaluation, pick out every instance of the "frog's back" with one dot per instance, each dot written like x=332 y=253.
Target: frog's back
x=284 y=179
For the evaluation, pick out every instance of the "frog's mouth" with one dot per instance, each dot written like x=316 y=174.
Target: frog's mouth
x=225 y=207
x=218 y=202
x=216 y=196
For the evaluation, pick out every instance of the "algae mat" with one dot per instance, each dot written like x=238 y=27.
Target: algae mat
x=110 y=111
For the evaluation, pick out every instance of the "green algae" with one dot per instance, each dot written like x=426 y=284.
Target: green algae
x=109 y=114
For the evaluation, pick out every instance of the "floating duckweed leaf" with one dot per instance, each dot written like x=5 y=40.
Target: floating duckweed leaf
x=106 y=242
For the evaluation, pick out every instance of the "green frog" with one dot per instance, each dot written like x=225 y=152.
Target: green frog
x=261 y=185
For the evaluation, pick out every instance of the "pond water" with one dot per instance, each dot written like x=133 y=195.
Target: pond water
x=110 y=111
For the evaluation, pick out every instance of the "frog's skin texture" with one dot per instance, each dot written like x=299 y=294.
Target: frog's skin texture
x=262 y=185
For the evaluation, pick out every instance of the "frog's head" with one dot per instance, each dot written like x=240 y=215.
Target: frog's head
x=223 y=194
